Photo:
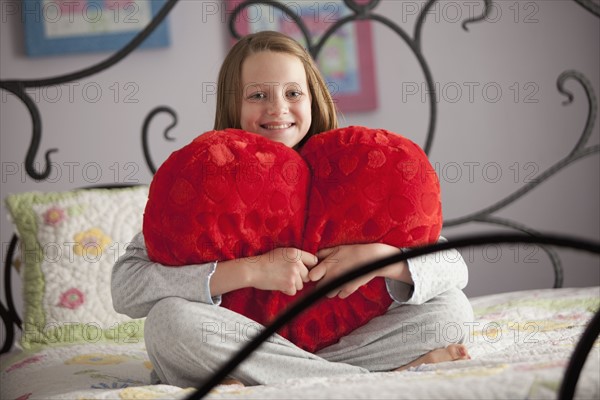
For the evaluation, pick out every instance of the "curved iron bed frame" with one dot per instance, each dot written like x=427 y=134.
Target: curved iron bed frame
x=359 y=12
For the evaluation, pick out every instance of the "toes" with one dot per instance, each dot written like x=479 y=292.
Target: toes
x=231 y=381
x=458 y=352
x=452 y=352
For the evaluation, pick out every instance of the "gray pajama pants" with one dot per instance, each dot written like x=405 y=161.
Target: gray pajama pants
x=188 y=341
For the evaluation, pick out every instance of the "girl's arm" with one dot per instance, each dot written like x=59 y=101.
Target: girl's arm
x=283 y=269
x=414 y=281
x=138 y=283
x=432 y=275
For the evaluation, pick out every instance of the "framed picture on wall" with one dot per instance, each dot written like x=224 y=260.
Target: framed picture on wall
x=54 y=27
x=346 y=60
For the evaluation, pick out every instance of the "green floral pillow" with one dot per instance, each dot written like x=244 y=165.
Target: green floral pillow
x=69 y=243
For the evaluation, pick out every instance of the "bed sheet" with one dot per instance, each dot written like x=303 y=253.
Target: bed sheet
x=520 y=344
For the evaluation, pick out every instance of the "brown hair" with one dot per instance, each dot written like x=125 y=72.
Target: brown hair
x=229 y=86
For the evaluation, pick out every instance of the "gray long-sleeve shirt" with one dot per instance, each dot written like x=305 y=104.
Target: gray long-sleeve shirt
x=138 y=283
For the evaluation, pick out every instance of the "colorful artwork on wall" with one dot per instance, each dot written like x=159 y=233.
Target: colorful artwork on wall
x=54 y=27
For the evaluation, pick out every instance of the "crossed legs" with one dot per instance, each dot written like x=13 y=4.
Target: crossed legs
x=187 y=342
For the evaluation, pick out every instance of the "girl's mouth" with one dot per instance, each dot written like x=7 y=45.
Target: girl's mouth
x=277 y=126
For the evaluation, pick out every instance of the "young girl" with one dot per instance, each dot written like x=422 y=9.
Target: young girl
x=269 y=85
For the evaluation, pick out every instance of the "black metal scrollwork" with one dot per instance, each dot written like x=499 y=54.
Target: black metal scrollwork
x=145 y=132
x=18 y=88
x=579 y=151
x=589 y=5
x=9 y=313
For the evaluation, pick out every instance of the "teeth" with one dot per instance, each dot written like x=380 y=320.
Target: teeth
x=282 y=126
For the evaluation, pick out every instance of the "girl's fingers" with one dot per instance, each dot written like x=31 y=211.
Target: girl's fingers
x=304 y=275
x=299 y=284
x=317 y=272
x=308 y=259
x=324 y=253
x=347 y=291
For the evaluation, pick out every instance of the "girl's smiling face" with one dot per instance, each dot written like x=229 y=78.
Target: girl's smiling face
x=276 y=101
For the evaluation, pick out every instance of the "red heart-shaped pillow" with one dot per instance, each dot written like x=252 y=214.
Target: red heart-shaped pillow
x=228 y=194
x=232 y=194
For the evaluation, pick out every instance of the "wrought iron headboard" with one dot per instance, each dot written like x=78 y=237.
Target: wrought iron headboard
x=359 y=11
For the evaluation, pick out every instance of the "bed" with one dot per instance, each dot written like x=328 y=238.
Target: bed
x=69 y=343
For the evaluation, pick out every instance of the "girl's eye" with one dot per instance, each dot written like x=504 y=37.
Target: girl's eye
x=257 y=96
x=294 y=94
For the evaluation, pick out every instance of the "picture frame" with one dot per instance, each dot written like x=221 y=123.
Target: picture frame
x=55 y=27
x=346 y=60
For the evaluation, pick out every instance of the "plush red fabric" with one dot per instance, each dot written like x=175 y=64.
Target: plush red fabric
x=232 y=194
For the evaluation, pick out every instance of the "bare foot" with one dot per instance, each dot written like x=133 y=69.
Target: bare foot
x=231 y=381
x=453 y=352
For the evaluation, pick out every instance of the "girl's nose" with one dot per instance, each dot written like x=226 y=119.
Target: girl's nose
x=278 y=105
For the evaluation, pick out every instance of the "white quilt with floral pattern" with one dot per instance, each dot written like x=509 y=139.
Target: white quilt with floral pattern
x=520 y=345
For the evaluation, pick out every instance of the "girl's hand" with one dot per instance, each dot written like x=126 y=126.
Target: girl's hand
x=336 y=261
x=283 y=269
